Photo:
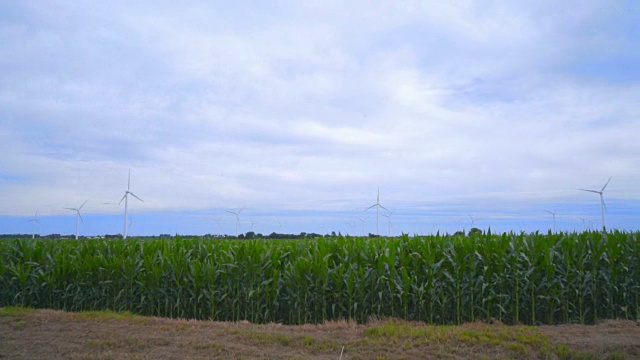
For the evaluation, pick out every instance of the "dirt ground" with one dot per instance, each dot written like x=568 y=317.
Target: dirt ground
x=48 y=334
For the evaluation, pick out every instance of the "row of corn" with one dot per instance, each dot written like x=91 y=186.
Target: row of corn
x=514 y=278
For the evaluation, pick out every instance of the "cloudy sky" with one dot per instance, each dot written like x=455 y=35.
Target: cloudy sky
x=459 y=112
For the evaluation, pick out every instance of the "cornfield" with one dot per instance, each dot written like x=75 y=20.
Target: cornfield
x=514 y=278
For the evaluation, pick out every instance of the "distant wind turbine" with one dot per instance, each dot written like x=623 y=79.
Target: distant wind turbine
x=584 y=223
x=377 y=205
x=388 y=216
x=217 y=220
x=603 y=207
x=473 y=219
x=78 y=216
x=237 y=214
x=125 y=197
x=350 y=224
x=34 y=221
x=553 y=213
x=130 y=224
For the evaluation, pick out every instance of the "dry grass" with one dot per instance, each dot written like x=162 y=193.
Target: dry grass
x=27 y=334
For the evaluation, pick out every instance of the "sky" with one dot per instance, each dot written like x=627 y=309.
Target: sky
x=468 y=113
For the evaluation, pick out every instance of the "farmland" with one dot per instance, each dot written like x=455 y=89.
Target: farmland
x=532 y=279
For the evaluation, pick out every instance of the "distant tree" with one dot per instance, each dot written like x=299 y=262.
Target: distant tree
x=475 y=231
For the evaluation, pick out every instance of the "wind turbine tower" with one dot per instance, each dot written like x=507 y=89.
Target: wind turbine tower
x=34 y=221
x=237 y=214
x=388 y=216
x=219 y=225
x=377 y=206
x=473 y=219
x=130 y=224
x=125 y=197
x=603 y=207
x=553 y=213
x=78 y=216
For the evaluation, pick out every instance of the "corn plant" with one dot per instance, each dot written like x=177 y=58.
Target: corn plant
x=516 y=278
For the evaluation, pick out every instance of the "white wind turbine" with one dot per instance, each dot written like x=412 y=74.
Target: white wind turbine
x=473 y=220
x=553 y=213
x=584 y=223
x=217 y=220
x=125 y=197
x=34 y=221
x=388 y=216
x=377 y=205
x=78 y=216
x=237 y=214
x=602 y=205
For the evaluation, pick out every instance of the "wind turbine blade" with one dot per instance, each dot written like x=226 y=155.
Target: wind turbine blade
x=384 y=208
x=372 y=206
x=605 y=206
x=80 y=216
x=123 y=196
x=134 y=195
x=82 y=204
x=239 y=211
x=71 y=209
x=593 y=191
x=605 y=185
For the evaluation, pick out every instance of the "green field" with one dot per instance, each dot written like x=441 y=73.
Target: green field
x=512 y=278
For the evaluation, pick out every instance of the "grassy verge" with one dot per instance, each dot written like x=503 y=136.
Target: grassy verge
x=105 y=334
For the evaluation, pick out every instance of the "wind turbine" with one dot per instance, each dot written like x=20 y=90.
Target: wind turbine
x=553 y=213
x=362 y=221
x=473 y=220
x=78 y=216
x=377 y=206
x=602 y=205
x=237 y=214
x=584 y=223
x=217 y=220
x=130 y=223
x=34 y=221
x=125 y=197
x=388 y=216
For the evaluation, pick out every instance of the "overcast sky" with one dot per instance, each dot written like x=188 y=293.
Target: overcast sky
x=460 y=112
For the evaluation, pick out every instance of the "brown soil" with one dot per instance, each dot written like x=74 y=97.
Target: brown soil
x=48 y=334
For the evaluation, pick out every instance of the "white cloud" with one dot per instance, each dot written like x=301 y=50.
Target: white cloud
x=313 y=103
